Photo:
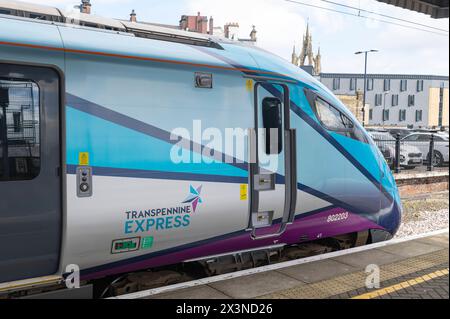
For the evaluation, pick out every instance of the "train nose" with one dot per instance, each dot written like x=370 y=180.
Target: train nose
x=391 y=206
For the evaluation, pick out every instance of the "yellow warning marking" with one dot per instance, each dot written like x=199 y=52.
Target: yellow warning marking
x=249 y=85
x=403 y=285
x=244 y=192
x=83 y=159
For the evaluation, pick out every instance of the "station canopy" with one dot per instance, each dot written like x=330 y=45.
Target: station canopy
x=437 y=9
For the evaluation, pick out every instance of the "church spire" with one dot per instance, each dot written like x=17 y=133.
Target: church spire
x=294 y=58
x=307 y=56
x=307 y=29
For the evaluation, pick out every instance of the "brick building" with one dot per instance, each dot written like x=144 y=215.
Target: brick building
x=198 y=23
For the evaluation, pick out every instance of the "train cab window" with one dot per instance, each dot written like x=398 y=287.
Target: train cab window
x=331 y=117
x=19 y=130
x=272 y=122
x=334 y=120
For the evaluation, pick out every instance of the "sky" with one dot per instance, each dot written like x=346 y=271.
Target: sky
x=281 y=25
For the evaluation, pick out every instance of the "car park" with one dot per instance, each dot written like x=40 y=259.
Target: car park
x=422 y=142
x=410 y=155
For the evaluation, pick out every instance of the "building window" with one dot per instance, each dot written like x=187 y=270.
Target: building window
x=419 y=115
x=336 y=84
x=394 y=99
x=403 y=85
x=19 y=130
x=370 y=114
x=419 y=85
x=387 y=85
x=385 y=115
x=352 y=84
x=378 y=99
x=369 y=84
x=402 y=115
x=411 y=100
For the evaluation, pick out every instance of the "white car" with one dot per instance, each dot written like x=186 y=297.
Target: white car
x=422 y=141
x=410 y=156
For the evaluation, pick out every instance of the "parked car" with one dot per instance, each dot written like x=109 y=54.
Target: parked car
x=422 y=141
x=410 y=156
x=402 y=131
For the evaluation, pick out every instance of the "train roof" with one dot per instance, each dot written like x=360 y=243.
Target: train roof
x=28 y=7
x=226 y=54
x=145 y=30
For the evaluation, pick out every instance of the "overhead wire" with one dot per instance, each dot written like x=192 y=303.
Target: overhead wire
x=366 y=17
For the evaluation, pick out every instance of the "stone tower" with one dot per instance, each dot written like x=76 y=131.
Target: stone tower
x=294 y=58
x=318 y=63
x=307 y=53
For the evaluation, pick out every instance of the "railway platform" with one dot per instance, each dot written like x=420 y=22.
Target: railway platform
x=412 y=268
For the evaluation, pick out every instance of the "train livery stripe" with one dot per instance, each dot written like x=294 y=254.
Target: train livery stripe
x=312 y=224
x=152 y=174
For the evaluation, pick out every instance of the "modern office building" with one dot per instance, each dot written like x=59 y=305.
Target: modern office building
x=397 y=99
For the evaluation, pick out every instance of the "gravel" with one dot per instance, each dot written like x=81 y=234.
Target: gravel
x=423 y=215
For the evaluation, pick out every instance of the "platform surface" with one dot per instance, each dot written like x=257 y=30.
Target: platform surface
x=416 y=269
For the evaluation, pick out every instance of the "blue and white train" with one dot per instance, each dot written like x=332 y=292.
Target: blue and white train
x=89 y=113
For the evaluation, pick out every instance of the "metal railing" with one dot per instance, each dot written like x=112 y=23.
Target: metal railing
x=401 y=154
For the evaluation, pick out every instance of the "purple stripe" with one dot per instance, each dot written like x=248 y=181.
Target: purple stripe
x=314 y=226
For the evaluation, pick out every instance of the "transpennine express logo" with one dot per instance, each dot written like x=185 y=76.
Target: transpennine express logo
x=194 y=197
x=163 y=218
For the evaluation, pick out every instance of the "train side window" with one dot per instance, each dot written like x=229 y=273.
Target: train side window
x=272 y=122
x=19 y=130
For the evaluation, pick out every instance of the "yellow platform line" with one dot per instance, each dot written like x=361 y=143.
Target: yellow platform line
x=403 y=285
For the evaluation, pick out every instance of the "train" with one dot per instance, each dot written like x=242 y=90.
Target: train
x=114 y=157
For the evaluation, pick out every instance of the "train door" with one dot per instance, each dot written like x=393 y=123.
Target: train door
x=272 y=162
x=30 y=172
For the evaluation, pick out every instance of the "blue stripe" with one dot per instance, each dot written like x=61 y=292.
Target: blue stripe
x=136 y=173
x=144 y=128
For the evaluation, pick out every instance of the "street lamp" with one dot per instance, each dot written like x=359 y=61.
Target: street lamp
x=365 y=82
x=384 y=104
